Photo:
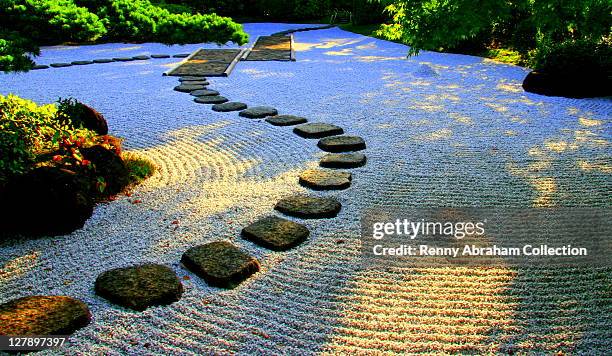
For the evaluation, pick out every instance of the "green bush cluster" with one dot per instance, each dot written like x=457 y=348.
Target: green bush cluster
x=542 y=31
x=27 y=24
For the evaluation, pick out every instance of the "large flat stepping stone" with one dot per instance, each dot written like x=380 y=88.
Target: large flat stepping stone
x=103 y=60
x=187 y=88
x=285 y=120
x=323 y=179
x=343 y=160
x=309 y=207
x=276 y=233
x=123 y=59
x=341 y=144
x=139 y=287
x=215 y=99
x=220 y=263
x=317 y=130
x=204 y=92
x=81 y=63
x=43 y=315
x=40 y=66
x=195 y=82
x=258 y=112
x=60 y=65
x=229 y=106
x=160 y=56
x=190 y=78
x=141 y=58
x=181 y=55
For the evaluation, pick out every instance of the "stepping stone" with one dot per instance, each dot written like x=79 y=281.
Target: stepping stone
x=204 y=92
x=285 y=120
x=322 y=179
x=190 y=78
x=60 y=65
x=341 y=144
x=181 y=55
x=139 y=287
x=40 y=66
x=141 y=58
x=123 y=59
x=186 y=88
x=43 y=315
x=229 y=106
x=220 y=263
x=195 y=82
x=317 y=130
x=215 y=99
x=309 y=207
x=158 y=56
x=258 y=112
x=82 y=63
x=102 y=60
x=343 y=160
x=276 y=233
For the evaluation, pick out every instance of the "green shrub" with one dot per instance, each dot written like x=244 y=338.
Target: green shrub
x=574 y=57
x=138 y=167
x=28 y=130
x=14 y=51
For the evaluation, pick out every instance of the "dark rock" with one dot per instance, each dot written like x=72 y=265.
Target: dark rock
x=141 y=58
x=39 y=66
x=102 y=60
x=285 y=120
x=159 y=56
x=309 y=207
x=186 y=88
x=321 y=179
x=317 y=130
x=43 y=315
x=341 y=143
x=204 y=92
x=181 y=55
x=190 y=78
x=123 y=59
x=258 y=112
x=60 y=65
x=215 y=99
x=343 y=160
x=82 y=63
x=571 y=85
x=46 y=201
x=220 y=264
x=139 y=287
x=110 y=166
x=195 y=82
x=89 y=118
x=276 y=233
x=229 y=106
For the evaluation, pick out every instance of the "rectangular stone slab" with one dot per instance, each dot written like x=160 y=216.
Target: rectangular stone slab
x=208 y=63
x=272 y=48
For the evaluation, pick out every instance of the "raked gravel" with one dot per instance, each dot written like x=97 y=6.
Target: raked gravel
x=441 y=130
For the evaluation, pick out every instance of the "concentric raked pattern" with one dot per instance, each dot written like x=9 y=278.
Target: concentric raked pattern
x=441 y=130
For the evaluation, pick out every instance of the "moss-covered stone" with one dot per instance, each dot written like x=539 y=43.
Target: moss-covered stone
x=276 y=233
x=139 y=287
x=343 y=160
x=323 y=179
x=220 y=263
x=43 y=315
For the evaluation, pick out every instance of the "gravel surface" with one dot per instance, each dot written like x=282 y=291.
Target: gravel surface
x=441 y=130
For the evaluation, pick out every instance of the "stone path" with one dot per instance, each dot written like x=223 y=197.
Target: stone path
x=272 y=48
x=208 y=62
x=317 y=130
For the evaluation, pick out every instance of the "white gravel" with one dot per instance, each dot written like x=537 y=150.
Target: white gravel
x=441 y=130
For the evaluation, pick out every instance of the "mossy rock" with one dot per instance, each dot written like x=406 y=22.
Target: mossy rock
x=220 y=263
x=325 y=179
x=47 y=201
x=139 y=287
x=89 y=118
x=276 y=233
x=309 y=207
x=343 y=160
x=109 y=166
x=43 y=315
